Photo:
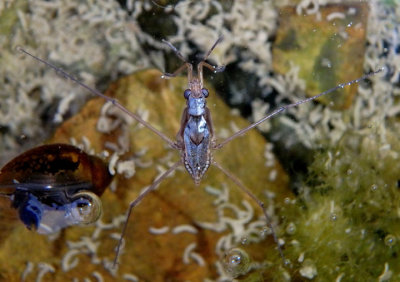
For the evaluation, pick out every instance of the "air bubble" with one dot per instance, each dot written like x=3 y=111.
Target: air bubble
x=264 y=232
x=85 y=208
x=390 y=240
x=287 y=262
x=374 y=187
x=244 y=241
x=349 y=172
x=236 y=262
x=291 y=228
x=333 y=217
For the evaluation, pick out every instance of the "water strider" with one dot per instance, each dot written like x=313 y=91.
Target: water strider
x=195 y=139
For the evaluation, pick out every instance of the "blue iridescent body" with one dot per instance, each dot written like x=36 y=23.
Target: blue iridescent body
x=196 y=134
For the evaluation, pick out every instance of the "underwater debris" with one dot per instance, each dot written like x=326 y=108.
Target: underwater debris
x=67 y=263
x=188 y=255
x=28 y=269
x=44 y=268
x=159 y=231
x=98 y=276
x=184 y=228
x=308 y=270
x=386 y=275
x=130 y=277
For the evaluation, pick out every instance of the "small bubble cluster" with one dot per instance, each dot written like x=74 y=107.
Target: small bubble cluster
x=291 y=228
x=264 y=232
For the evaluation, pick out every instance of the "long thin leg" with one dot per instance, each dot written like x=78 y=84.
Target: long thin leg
x=180 y=56
x=98 y=93
x=176 y=51
x=186 y=64
x=214 y=69
x=189 y=67
x=212 y=47
x=135 y=202
x=281 y=109
x=203 y=63
x=255 y=199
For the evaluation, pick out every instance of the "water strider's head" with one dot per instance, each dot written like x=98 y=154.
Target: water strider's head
x=195 y=94
x=195 y=78
x=196 y=100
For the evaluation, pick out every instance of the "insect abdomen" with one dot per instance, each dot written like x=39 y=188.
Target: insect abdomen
x=196 y=155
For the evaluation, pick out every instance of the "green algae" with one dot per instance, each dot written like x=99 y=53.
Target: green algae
x=347 y=216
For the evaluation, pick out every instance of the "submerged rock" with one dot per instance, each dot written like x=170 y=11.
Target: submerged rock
x=328 y=46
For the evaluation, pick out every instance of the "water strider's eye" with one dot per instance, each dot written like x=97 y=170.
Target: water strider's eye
x=187 y=93
x=205 y=92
